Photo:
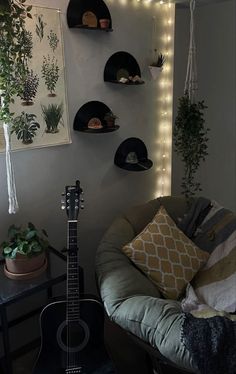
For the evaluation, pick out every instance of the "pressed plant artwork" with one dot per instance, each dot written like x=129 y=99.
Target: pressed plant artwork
x=25 y=127
x=30 y=86
x=39 y=27
x=50 y=73
x=53 y=40
x=35 y=101
x=52 y=115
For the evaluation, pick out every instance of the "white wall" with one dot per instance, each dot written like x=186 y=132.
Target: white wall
x=41 y=174
x=215 y=37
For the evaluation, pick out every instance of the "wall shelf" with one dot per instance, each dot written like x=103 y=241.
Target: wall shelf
x=132 y=155
x=122 y=68
x=90 y=118
x=88 y=14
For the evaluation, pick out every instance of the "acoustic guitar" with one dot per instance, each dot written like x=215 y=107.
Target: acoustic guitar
x=72 y=329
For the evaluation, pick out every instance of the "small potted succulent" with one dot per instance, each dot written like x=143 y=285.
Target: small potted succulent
x=24 y=252
x=110 y=119
x=156 y=66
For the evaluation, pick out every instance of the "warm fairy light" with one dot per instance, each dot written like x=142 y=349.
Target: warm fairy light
x=164 y=40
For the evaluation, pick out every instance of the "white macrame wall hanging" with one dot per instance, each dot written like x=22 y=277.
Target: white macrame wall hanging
x=11 y=186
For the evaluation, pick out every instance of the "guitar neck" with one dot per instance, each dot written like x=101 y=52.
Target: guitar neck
x=73 y=312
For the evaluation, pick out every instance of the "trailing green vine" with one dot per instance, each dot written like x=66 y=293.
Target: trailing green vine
x=190 y=140
x=15 y=50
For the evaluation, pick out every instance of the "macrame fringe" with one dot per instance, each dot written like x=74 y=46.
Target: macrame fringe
x=12 y=198
x=191 y=75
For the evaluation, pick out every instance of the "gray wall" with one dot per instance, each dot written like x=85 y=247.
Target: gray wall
x=41 y=174
x=215 y=37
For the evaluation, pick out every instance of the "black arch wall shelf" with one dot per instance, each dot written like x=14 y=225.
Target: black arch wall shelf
x=77 y=9
x=93 y=112
x=122 y=64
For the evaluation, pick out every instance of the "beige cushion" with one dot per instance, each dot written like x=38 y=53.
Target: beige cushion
x=167 y=256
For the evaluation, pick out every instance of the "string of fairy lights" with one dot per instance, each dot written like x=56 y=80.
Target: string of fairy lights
x=165 y=81
x=165 y=42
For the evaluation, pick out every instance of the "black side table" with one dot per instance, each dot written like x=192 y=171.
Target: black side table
x=12 y=291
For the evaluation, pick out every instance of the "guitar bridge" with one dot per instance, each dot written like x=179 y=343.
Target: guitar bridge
x=77 y=370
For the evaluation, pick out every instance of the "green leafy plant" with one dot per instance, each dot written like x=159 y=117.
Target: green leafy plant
x=25 y=127
x=26 y=242
x=52 y=115
x=14 y=53
x=53 y=40
x=190 y=140
x=50 y=73
x=159 y=60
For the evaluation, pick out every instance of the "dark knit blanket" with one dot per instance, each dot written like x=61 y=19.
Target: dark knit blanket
x=211 y=343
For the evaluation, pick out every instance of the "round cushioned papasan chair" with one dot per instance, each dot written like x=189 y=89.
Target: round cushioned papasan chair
x=131 y=300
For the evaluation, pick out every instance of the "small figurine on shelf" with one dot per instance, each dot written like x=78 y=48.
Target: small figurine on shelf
x=110 y=119
x=156 y=67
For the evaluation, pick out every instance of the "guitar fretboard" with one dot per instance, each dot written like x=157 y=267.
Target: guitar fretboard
x=73 y=312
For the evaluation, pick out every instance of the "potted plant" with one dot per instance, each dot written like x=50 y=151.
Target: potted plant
x=156 y=66
x=110 y=119
x=24 y=252
x=190 y=140
x=52 y=115
x=25 y=127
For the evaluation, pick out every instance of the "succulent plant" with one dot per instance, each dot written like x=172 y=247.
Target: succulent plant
x=159 y=60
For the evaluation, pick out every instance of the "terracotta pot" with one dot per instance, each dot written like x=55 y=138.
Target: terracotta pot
x=23 y=264
x=104 y=23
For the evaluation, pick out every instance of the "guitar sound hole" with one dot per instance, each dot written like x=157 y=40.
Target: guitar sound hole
x=73 y=336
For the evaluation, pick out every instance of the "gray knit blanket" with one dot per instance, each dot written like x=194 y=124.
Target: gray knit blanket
x=211 y=342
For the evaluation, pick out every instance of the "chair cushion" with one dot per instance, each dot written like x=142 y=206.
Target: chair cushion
x=166 y=255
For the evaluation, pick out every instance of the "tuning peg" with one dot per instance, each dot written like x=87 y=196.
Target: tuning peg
x=81 y=199
x=63 y=201
x=82 y=206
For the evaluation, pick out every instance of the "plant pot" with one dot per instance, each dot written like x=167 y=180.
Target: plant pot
x=104 y=23
x=155 y=71
x=23 y=267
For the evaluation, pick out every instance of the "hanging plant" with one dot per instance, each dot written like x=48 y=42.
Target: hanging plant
x=190 y=140
x=14 y=55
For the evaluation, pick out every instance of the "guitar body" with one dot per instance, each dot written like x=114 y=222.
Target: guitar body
x=85 y=352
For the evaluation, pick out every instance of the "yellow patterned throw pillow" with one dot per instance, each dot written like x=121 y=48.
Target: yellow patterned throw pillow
x=166 y=255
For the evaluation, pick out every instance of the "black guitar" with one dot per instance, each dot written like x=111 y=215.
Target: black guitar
x=72 y=330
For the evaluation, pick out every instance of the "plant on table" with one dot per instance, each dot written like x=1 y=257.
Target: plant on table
x=24 y=241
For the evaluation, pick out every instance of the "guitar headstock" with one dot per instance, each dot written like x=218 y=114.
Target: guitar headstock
x=71 y=201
